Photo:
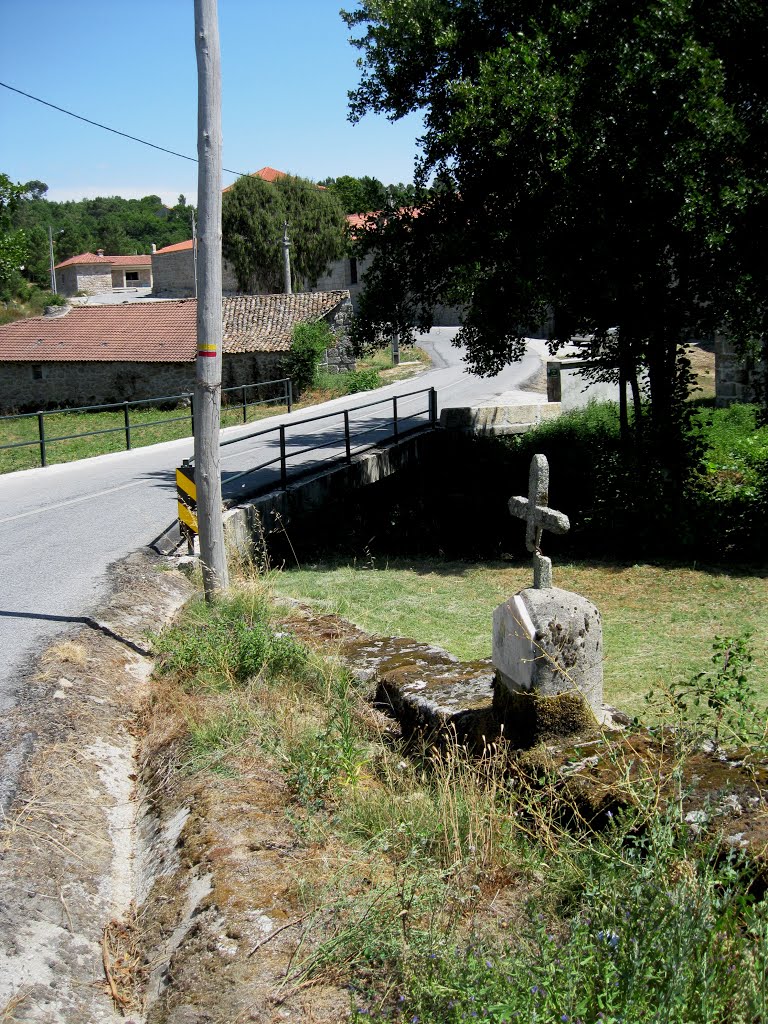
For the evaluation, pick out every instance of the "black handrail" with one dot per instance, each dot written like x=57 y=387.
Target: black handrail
x=283 y=457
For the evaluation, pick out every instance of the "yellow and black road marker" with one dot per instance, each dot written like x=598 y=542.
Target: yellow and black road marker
x=186 y=496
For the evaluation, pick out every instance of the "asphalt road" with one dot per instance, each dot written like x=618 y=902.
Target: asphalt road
x=63 y=526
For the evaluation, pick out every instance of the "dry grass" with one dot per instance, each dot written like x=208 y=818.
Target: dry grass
x=15 y=1002
x=66 y=652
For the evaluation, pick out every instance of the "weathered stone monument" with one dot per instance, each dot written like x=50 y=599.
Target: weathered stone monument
x=546 y=641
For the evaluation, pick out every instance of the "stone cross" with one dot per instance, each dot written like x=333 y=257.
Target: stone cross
x=539 y=517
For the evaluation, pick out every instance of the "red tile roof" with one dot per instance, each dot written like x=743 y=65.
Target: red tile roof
x=160 y=332
x=177 y=247
x=117 y=261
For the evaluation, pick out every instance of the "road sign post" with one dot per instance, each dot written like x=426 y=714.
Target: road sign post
x=186 y=497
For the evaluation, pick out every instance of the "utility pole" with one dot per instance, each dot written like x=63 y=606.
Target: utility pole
x=286 y=260
x=50 y=251
x=209 y=330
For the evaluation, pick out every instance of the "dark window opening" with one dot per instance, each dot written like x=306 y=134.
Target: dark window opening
x=37 y=372
x=131 y=277
x=353 y=271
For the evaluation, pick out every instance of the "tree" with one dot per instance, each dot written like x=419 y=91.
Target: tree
x=601 y=163
x=14 y=245
x=253 y=216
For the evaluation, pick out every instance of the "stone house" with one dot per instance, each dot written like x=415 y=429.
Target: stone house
x=93 y=273
x=90 y=355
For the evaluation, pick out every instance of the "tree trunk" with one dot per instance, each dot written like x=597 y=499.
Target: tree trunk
x=209 y=325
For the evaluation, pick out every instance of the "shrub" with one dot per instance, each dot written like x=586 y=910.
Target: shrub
x=308 y=345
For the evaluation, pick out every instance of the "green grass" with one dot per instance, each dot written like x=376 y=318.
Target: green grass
x=658 y=623
x=146 y=428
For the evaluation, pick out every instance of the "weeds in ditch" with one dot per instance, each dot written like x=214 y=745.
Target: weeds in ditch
x=478 y=889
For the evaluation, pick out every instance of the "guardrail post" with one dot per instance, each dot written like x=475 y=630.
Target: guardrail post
x=394 y=414
x=289 y=394
x=433 y=407
x=127 y=421
x=41 y=433
x=283 y=467
x=346 y=436
x=245 y=407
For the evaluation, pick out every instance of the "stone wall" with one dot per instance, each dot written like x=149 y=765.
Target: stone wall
x=339 y=358
x=28 y=387
x=737 y=377
x=91 y=278
x=173 y=276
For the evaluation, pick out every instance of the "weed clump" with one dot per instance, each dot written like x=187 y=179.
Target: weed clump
x=226 y=644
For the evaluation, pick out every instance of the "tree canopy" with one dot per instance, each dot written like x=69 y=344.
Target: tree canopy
x=603 y=164
x=253 y=215
x=368 y=194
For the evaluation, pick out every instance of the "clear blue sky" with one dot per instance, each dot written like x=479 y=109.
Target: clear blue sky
x=286 y=70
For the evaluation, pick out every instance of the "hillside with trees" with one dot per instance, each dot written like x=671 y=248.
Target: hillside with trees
x=119 y=226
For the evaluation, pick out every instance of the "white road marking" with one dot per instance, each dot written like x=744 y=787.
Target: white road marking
x=72 y=501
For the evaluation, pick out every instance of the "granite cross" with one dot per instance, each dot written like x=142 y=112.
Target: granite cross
x=539 y=517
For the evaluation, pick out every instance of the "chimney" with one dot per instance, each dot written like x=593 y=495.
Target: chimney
x=99 y=252
x=154 y=248
x=56 y=311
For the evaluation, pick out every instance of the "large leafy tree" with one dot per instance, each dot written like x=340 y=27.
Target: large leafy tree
x=603 y=164
x=253 y=215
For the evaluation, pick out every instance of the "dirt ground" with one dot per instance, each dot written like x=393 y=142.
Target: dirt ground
x=129 y=890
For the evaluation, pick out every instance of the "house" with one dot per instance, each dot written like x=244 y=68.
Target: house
x=89 y=355
x=93 y=273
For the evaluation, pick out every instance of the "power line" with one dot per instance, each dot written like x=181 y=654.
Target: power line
x=114 y=131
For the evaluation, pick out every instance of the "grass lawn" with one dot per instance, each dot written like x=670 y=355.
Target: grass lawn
x=659 y=623
x=146 y=428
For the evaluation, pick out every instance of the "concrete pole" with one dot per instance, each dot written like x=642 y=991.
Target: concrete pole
x=209 y=329
x=286 y=260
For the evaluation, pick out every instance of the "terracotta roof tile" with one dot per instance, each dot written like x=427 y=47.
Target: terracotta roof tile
x=177 y=247
x=160 y=332
x=118 y=261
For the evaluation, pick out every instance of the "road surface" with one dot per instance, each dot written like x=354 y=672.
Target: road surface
x=63 y=526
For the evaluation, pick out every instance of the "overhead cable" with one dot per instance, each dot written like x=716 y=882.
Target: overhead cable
x=114 y=131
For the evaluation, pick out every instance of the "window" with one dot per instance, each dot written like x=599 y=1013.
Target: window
x=131 y=277
x=353 y=271
x=37 y=371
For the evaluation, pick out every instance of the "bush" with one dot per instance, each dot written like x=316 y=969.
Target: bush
x=308 y=345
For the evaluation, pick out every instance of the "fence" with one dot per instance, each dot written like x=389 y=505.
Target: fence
x=240 y=397
x=344 y=439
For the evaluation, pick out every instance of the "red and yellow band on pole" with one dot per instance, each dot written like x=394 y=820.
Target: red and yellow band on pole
x=186 y=498
x=206 y=349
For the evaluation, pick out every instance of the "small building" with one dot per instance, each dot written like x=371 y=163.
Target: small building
x=90 y=355
x=93 y=273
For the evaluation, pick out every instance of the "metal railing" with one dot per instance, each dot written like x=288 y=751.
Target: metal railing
x=127 y=427
x=399 y=429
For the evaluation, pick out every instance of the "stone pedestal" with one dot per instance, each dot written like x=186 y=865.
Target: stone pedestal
x=549 y=642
